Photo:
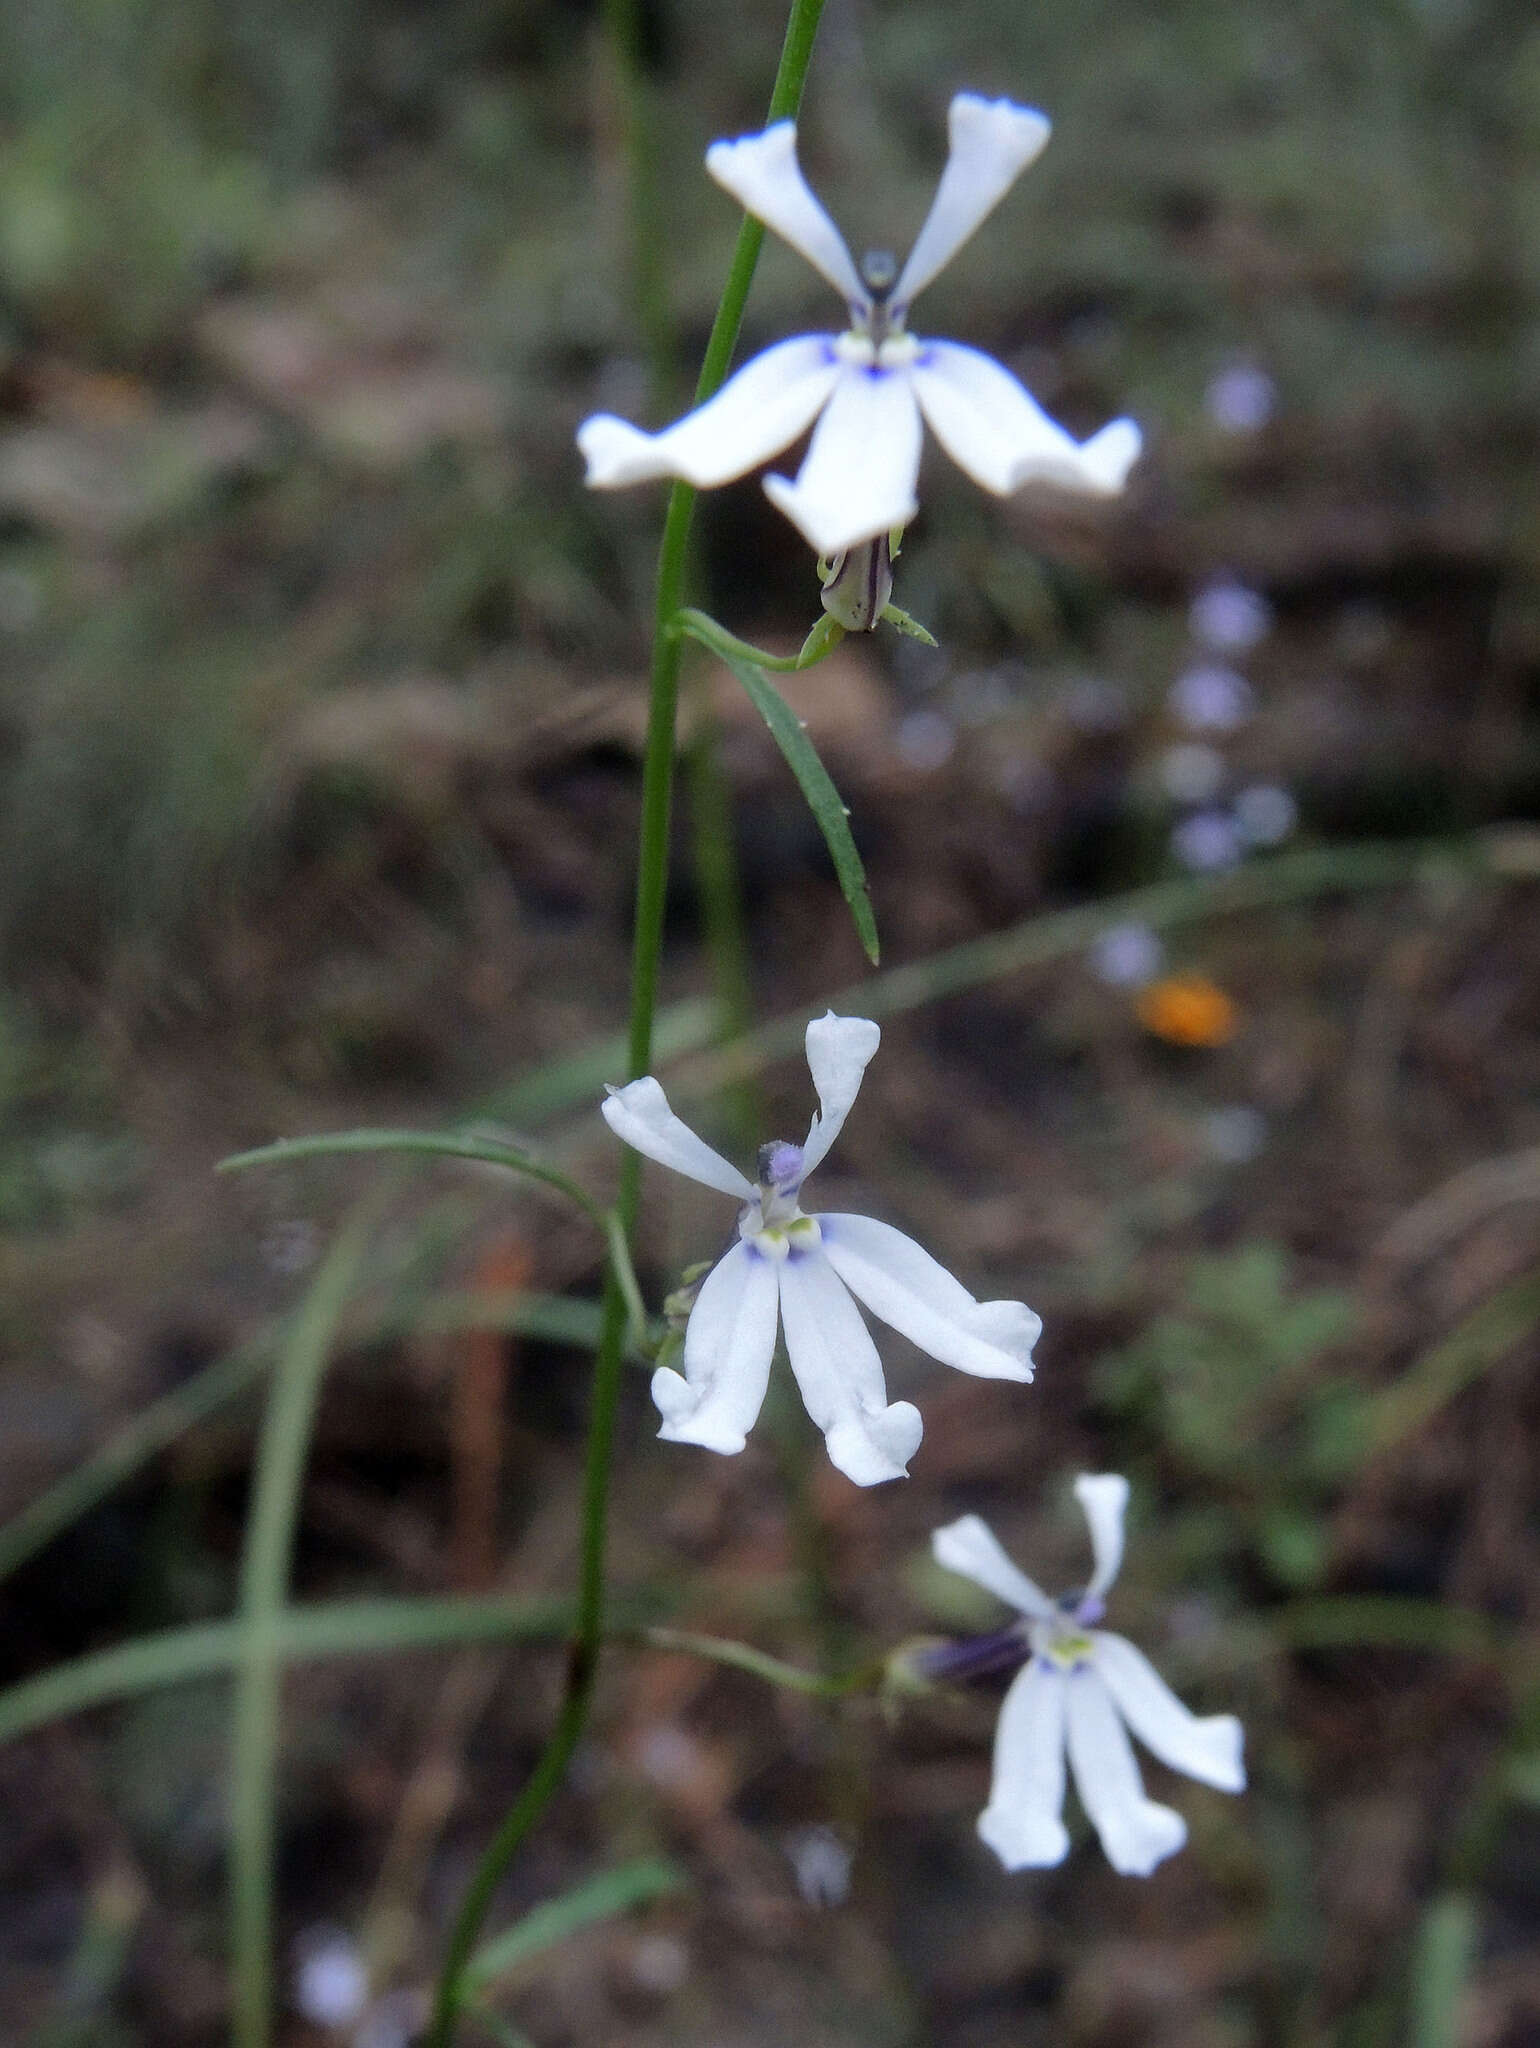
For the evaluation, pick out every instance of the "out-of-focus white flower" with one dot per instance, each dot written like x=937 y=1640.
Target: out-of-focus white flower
x=821 y=1862
x=1236 y=1133
x=331 y=1985
x=925 y=739
x=1229 y=617
x=1210 y=698
x=869 y=387
x=801 y=1272
x=1266 y=814
x=1127 y=956
x=1207 y=842
x=1241 y=399
x=1191 y=772
x=1080 y=1692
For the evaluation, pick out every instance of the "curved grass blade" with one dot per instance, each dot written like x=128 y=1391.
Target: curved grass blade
x=553 y=1920
x=817 y=786
x=331 y=1628
x=271 y=1521
x=549 y=1318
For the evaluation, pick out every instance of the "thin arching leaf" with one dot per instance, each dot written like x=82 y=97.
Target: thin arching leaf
x=817 y=786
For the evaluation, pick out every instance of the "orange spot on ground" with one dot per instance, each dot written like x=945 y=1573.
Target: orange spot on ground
x=1188 y=1009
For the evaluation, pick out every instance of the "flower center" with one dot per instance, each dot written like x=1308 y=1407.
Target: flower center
x=779 y=1236
x=1060 y=1643
x=1064 y=1638
x=773 y=1221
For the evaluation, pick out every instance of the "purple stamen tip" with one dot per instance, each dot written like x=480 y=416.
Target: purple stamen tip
x=780 y=1165
x=1090 y=1610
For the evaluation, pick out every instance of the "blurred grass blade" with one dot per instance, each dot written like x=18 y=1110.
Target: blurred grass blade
x=270 y=1525
x=502 y=2032
x=1042 y=940
x=613 y=1891
x=577 y=1081
x=332 y=1628
x=1482 y=1341
x=549 y=1318
x=478 y=1146
x=134 y=1445
x=817 y=786
x=1441 y=1962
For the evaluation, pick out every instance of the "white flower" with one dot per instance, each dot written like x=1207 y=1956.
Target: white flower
x=801 y=1271
x=1077 y=1691
x=868 y=387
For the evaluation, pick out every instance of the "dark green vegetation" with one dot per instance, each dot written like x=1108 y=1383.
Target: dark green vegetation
x=318 y=773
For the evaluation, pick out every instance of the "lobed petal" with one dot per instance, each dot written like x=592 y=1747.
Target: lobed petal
x=992 y=427
x=992 y=142
x=757 y=413
x=1135 y=1832
x=969 y=1547
x=728 y=1345
x=914 y=1294
x=1022 y=1821
x=640 y=1117
x=763 y=175
x=858 y=477
x=840 y=1374
x=1207 y=1748
x=1104 y=1498
x=839 y=1050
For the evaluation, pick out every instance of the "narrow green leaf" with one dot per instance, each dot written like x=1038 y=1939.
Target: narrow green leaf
x=480 y=1146
x=1441 y=1960
x=549 y=1318
x=611 y=1892
x=816 y=785
x=502 y=2031
x=271 y=1520
x=576 y=1080
x=331 y=1628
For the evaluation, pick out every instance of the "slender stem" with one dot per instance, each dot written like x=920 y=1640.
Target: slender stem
x=774 y=1670
x=270 y=1526
x=688 y=623
x=647 y=948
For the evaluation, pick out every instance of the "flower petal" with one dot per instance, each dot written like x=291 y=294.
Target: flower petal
x=992 y=142
x=763 y=175
x=728 y=1344
x=858 y=477
x=1208 y=1749
x=1135 y=1832
x=839 y=1050
x=840 y=1374
x=1026 y=1794
x=754 y=416
x=993 y=427
x=1104 y=1497
x=640 y=1117
x=969 y=1546
x=900 y=1282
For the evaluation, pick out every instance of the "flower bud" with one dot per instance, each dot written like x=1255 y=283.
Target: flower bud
x=859 y=585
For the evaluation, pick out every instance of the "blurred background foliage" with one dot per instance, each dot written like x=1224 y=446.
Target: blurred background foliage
x=318 y=769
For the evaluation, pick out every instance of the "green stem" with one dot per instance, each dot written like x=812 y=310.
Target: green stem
x=774 y=1670
x=647 y=947
x=276 y=1483
x=688 y=623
